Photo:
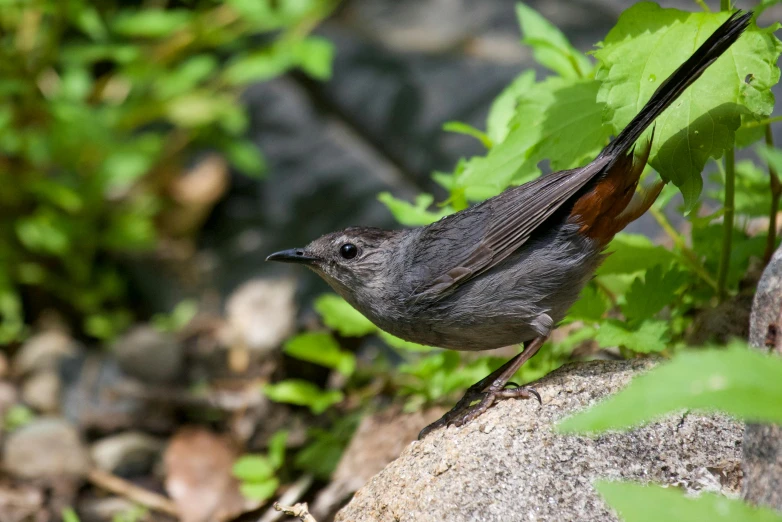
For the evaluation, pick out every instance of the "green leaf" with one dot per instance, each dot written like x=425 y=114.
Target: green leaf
x=630 y=253
x=639 y=503
x=276 y=450
x=314 y=56
x=88 y=20
x=259 y=491
x=549 y=46
x=186 y=76
x=503 y=108
x=196 y=108
x=401 y=344
x=150 y=23
x=649 y=336
x=339 y=315
x=124 y=167
x=736 y=380
x=258 y=66
x=413 y=215
x=43 y=232
x=463 y=128
x=321 y=348
x=69 y=515
x=245 y=156
x=17 y=416
x=591 y=305
x=652 y=293
x=646 y=46
x=303 y=393
x=772 y=156
x=556 y=119
x=253 y=468
x=324 y=449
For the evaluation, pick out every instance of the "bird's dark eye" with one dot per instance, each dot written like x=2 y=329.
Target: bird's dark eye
x=348 y=250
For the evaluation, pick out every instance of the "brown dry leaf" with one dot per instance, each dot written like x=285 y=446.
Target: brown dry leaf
x=198 y=476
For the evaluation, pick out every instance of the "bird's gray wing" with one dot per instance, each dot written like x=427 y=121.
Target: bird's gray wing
x=461 y=246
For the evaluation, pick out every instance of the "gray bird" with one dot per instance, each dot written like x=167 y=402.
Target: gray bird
x=507 y=270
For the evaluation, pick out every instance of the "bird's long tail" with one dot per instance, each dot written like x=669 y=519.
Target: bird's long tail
x=676 y=83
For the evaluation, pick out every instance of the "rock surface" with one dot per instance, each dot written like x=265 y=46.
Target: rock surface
x=762 y=443
x=510 y=465
x=149 y=355
x=128 y=453
x=46 y=448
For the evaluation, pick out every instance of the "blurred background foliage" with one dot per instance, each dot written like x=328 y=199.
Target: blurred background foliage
x=102 y=107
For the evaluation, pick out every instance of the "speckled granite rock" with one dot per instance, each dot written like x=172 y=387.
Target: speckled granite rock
x=509 y=465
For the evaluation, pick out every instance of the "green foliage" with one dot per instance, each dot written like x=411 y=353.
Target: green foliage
x=321 y=348
x=17 y=416
x=647 y=337
x=180 y=316
x=303 y=393
x=637 y=503
x=321 y=455
x=735 y=380
x=256 y=472
x=647 y=296
x=101 y=105
x=414 y=214
x=549 y=46
x=646 y=46
x=69 y=515
x=338 y=315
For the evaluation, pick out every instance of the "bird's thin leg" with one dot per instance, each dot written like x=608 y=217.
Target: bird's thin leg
x=489 y=389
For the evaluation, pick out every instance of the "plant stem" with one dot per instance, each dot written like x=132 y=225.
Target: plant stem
x=776 y=192
x=690 y=257
x=727 y=223
x=758 y=123
x=702 y=4
x=725 y=5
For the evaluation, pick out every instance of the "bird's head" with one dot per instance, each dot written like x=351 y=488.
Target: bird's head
x=354 y=261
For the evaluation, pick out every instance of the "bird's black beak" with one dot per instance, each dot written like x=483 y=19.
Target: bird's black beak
x=294 y=255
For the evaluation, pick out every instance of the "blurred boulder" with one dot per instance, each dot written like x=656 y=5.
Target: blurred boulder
x=149 y=355
x=261 y=314
x=8 y=397
x=44 y=351
x=127 y=454
x=41 y=391
x=46 y=448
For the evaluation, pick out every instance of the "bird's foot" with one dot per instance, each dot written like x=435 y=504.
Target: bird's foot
x=475 y=402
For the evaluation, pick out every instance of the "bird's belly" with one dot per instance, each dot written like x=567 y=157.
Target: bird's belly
x=510 y=303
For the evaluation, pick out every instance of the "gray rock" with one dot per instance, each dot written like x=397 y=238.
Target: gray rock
x=46 y=448
x=44 y=351
x=129 y=453
x=149 y=354
x=261 y=314
x=762 y=464
x=8 y=397
x=41 y=391
x=510 y=465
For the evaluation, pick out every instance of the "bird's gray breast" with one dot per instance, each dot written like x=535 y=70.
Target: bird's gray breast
x=512 y=302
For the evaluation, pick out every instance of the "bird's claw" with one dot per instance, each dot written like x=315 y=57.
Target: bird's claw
x=465 y=411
